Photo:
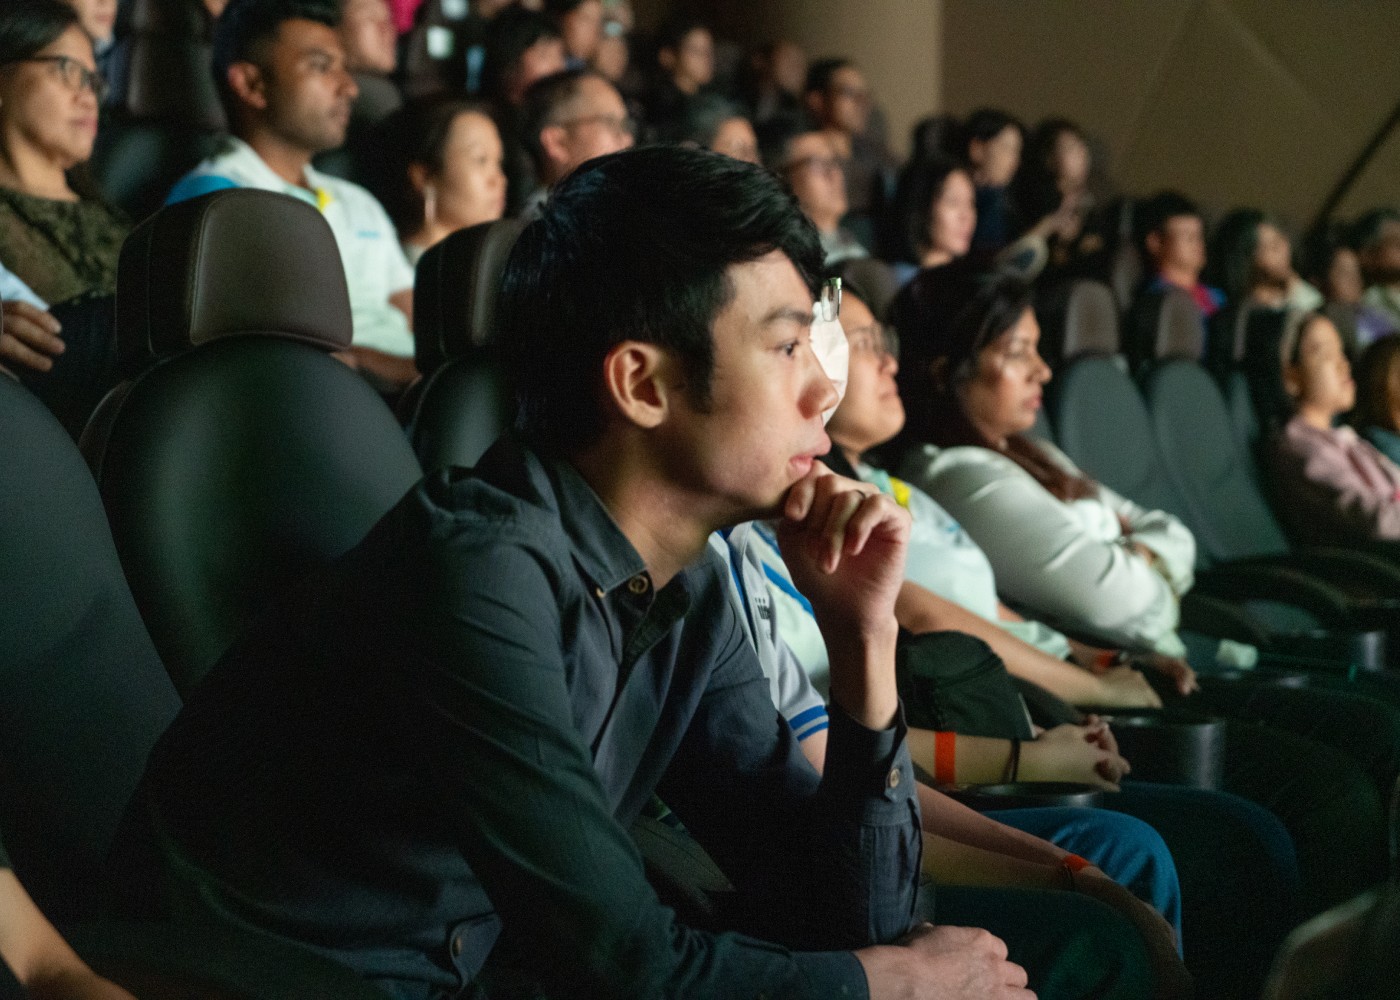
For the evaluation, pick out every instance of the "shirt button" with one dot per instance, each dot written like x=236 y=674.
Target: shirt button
x=638 y=584
x=456 y=946
x=893 y=779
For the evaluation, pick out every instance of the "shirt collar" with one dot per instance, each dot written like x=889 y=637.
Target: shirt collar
x=247 y=159
x=602 y=550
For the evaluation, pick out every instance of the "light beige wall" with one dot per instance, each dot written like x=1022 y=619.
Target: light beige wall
x=1261 y=102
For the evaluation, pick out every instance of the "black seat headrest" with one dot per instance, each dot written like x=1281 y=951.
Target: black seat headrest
x=234 y=262
x=169 y=80
x=455 y=292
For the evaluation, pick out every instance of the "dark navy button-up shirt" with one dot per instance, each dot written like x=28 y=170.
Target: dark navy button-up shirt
x=450 y=731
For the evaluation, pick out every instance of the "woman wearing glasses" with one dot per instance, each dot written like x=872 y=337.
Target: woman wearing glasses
x=55 y=238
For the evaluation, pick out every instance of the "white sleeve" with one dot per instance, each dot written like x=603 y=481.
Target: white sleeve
x=1045 y=560
x=12 y=289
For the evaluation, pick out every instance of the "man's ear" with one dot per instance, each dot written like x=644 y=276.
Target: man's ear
x=667 y=59
x=1292 y=385
x=418 y=176
x=1153 y=243
x=246 y=81
x=814 y=101
x=639 y=381
x=554 y=141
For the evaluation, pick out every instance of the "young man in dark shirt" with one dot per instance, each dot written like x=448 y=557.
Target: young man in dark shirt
x=443 y=739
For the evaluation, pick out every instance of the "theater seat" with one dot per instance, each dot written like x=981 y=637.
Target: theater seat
x=1224 y=508
x=1164 y=324
x=462 y=403
x=83 y=696
x=236 y=455
x=1076 y=319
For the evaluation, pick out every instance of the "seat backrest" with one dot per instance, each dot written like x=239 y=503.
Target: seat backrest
x=1181 y=331
x=1102 y=423
x=169 y=80
x=463 y=402
x=1091 y=320
x=136 y=163
x=83 y=695
x=1206 y=465
x=239 y=455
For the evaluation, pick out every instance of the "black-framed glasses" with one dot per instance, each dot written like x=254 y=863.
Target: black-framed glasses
x=75 y=76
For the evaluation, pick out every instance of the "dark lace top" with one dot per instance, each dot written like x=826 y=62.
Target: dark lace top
x=60 y=248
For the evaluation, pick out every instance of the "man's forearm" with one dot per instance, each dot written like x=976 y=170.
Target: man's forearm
x=862 y=675
x=953 y=821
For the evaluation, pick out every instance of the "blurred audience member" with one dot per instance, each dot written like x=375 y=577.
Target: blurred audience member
x=936 y=214
x=812 y=166
x=685 y=58
x=1059 y=196
x=1251 y=261
x=281 y=74
x=1335 y=267
x=581 y=25
x=568 y=118
x=837 y=98
x=99 y=19
x=443 y=171
x=371 y=56
x=1377 y=413
x=1332 y=487
x=1174 y=245
x=719 y=125
x=774 y=77
x=522 y=46
x=1377 y=242
x=992 y=141
x=58 y=242
x=613 y=58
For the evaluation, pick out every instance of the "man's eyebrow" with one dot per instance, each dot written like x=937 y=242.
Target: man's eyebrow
x=788 y=314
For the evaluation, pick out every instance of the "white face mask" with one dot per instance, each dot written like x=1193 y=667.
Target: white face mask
x=829 y=343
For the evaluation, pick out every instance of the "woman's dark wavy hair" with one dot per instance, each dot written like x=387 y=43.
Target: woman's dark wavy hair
x=1376 y=372
x=27 y=26
x=635 y=246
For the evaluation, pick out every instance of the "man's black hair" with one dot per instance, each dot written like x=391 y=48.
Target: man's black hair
x=819 y=74
x=26 y=26
x=541 y=104
x=986 y=124
x=1367 y=229
x=673 y=32
x=635 y=246
x=511 y=33
x=1153 y=214
x=246 y=26
x=558 y=8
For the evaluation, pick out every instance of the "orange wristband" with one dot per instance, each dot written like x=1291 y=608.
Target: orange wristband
x=945 y=748
x=1075 y=863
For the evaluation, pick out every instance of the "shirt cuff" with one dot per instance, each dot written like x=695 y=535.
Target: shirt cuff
x=831 y=974
x=866 y=768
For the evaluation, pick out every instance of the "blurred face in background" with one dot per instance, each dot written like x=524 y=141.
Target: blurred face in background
x=691 y=64
x=735 y=138
x=1273 y=257
x=367 y=32
x=1380 y=261
x=582 y=29
x=952 y=218
x=471 y=187
x=48 y=108
x=787 y=67
x=593 y=123
x=1320 y=379
x=848 y=101
x=1179 y=246
x=817 y=178
x=996 y=160
x=1343 y=282
x=99 y=17
x=1069 y=161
